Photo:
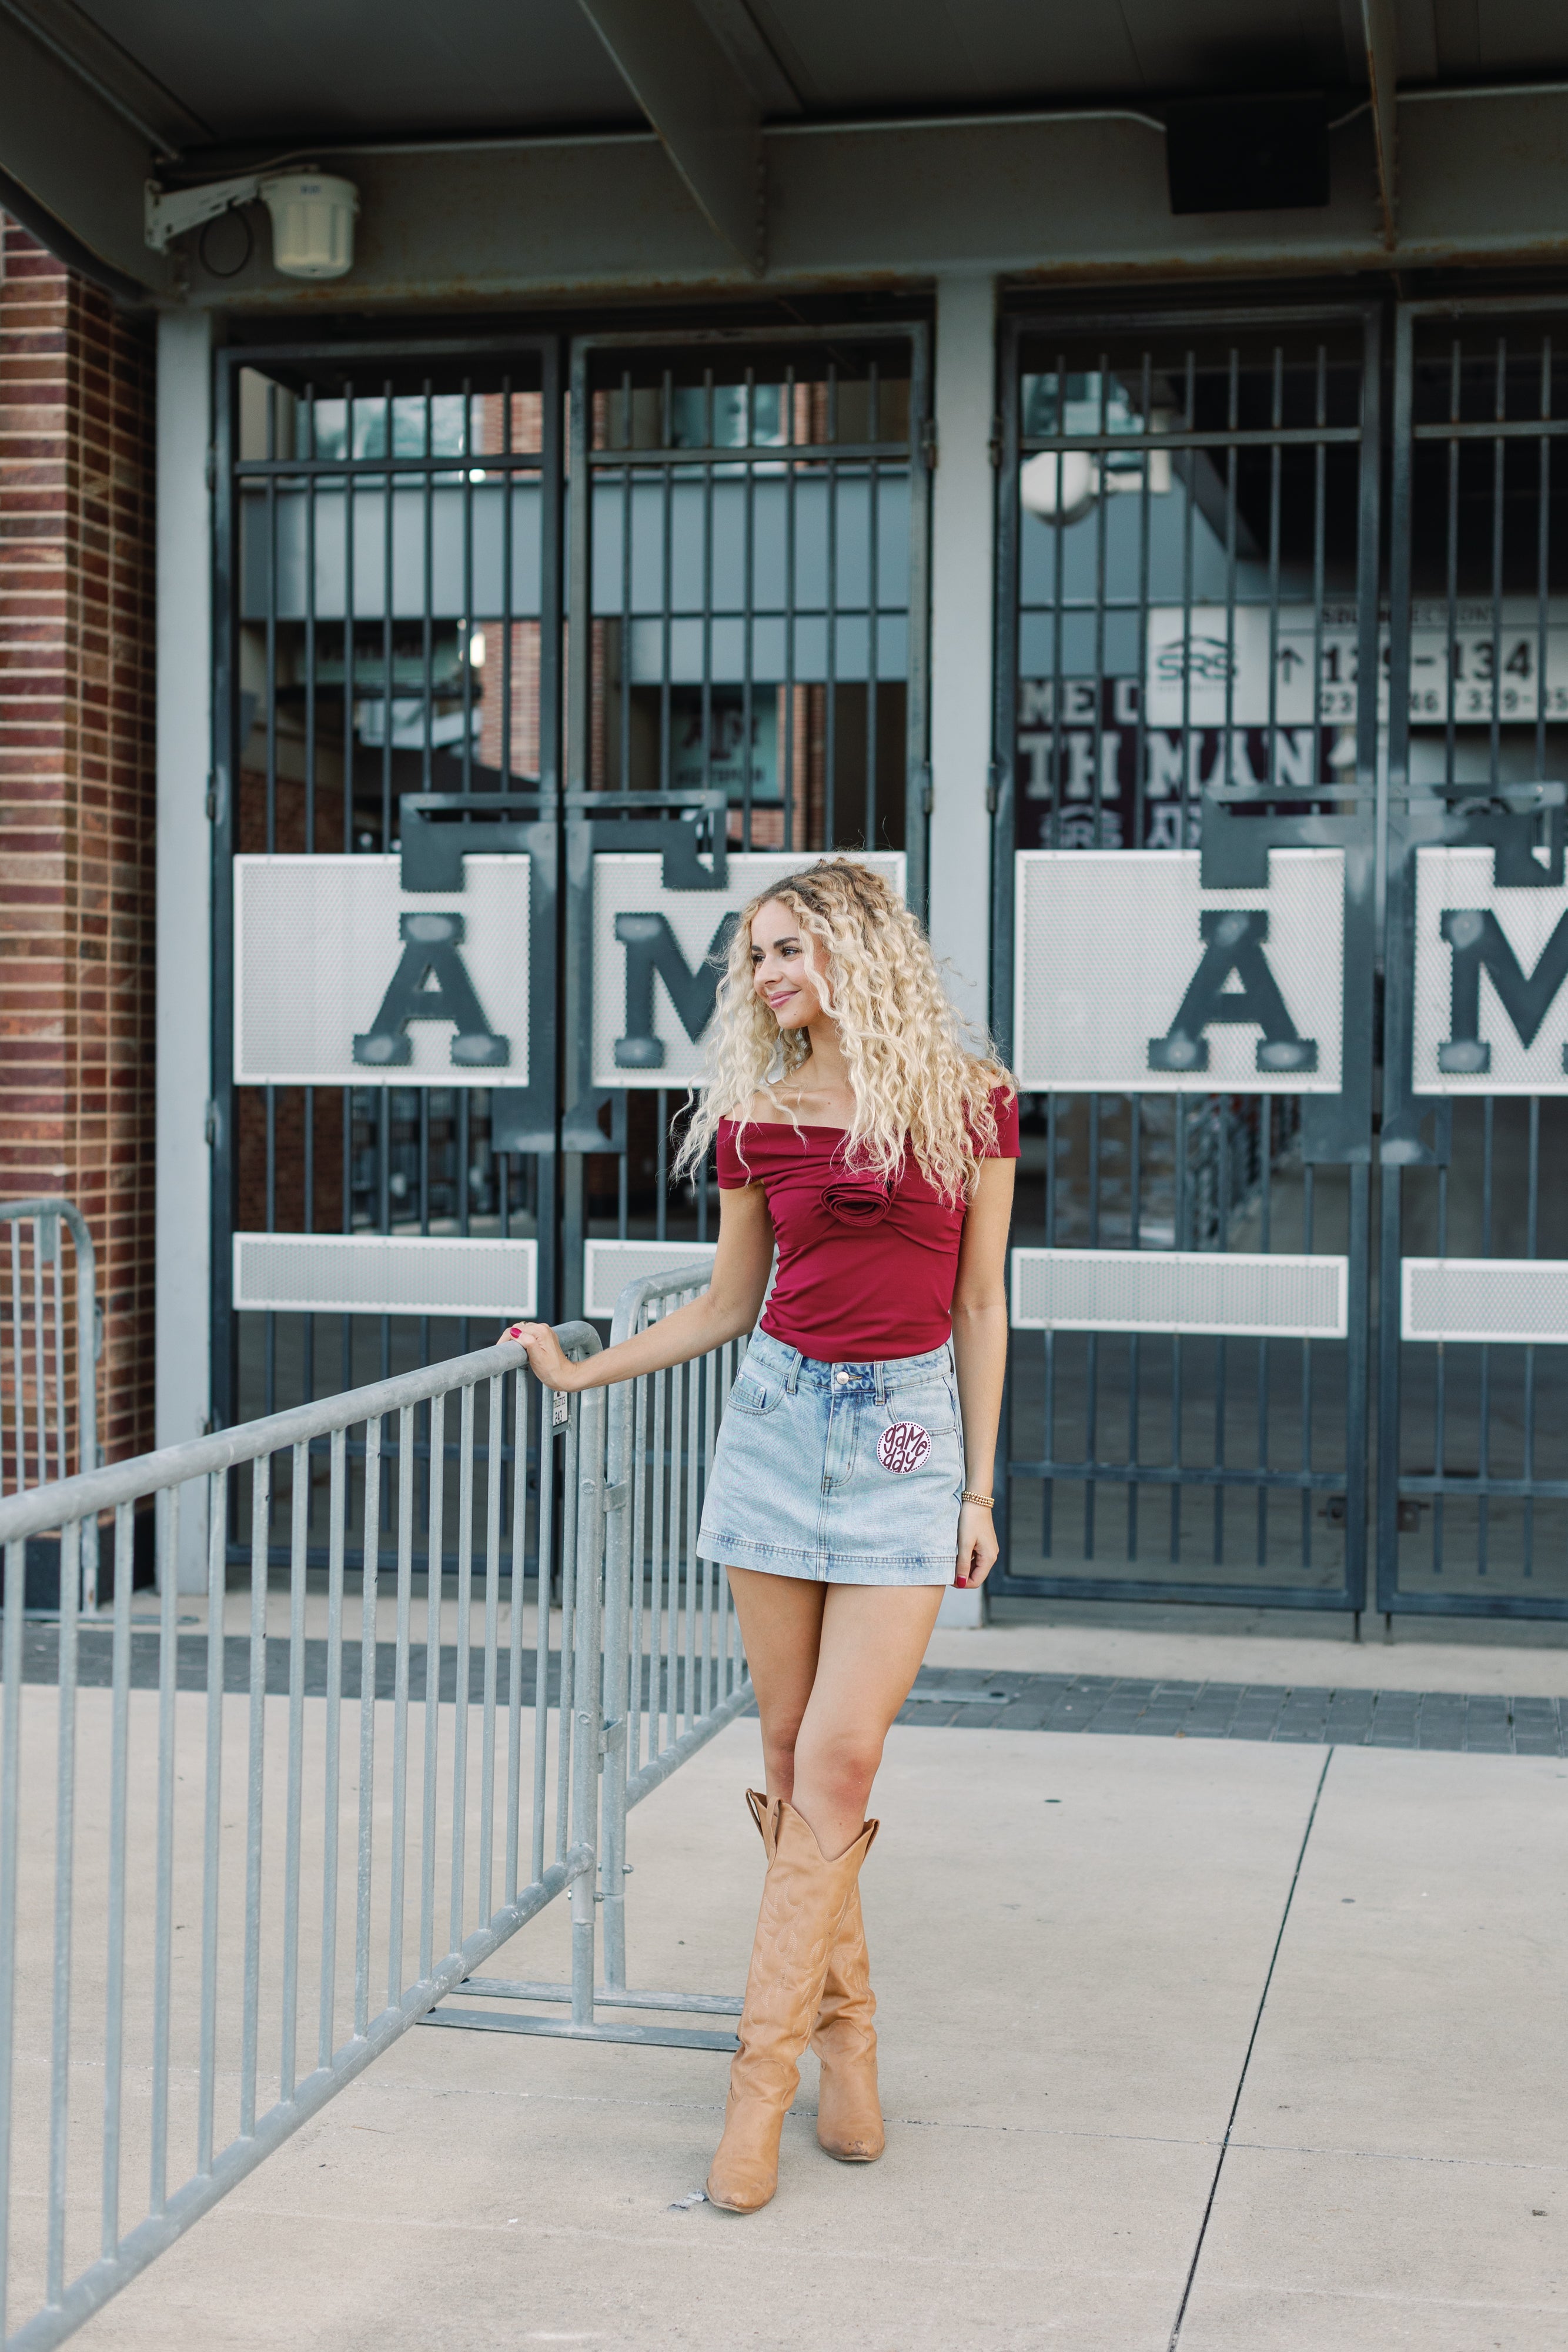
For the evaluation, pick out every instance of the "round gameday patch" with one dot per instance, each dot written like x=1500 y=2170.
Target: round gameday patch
x=905 y=1446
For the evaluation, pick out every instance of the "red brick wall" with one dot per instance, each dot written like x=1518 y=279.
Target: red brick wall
x=77 y=787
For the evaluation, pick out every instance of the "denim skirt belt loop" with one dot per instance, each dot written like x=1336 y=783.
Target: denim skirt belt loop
x=842 y=1474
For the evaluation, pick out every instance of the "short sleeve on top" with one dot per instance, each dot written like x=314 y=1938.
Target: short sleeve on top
x=733 y=1174
x=1005 y=1105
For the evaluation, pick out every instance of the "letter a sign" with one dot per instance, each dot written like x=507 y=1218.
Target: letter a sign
x=1131 y=977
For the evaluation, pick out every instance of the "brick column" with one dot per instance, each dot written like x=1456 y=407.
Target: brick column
x=77 y=788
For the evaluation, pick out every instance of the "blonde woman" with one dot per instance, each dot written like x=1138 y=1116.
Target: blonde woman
x=853 y=1472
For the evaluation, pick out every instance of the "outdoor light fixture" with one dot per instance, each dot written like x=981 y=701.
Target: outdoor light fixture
x=312 y=217
x=1058 y=489
x=1063 y=487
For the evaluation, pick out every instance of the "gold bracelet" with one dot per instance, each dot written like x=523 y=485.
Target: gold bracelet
x=987 y=1500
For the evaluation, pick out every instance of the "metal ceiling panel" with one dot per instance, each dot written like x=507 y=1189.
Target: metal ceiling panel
x=1204 y=45
x=1471 y=41
x=285 y=69
x=298 y=71
x=1516 y=36
x=927 y=52
x=1459 y=31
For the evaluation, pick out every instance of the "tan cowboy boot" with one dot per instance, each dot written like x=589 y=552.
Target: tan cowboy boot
x=849 y=2109
x=804 y=1902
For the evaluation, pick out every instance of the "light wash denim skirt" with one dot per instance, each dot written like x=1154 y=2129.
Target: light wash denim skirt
x=841 y=1474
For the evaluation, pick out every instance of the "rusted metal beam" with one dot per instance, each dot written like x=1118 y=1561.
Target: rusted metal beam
x=76 y=160
x=1483 y=180
x=1382 y=76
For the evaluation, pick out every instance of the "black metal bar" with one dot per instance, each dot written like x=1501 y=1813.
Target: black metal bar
x=416 y=464
x=465 y=632
x=1183 y=1591
x=1398 y=958
x=575 y=995
x=1299 y=436
x=792 y=480
x=830 y=624
x=747 y=689
x=1531 y=1249
x=917 y=670
x=1005 y=703
x=873 y=628
x=1091 y=1349
x=551 y=887
x=1198 y=1473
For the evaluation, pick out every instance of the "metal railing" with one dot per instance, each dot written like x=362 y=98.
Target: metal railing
x=673 y=1671
x=274 y=1889
x=48 y=1389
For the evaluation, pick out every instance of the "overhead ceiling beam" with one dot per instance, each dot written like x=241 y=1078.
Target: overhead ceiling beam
x=1382 y=77
x=755 y=58
x=708 y=119
x=117 y=77
x=76 y=161
x=1081 y=203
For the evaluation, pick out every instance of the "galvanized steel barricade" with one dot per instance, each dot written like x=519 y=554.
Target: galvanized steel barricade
x=246 y=1961
x=48 y=1389
x=674 y=1670
x=243 y=1965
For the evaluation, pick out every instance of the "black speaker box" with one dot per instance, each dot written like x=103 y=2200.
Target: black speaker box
x=1246 y=154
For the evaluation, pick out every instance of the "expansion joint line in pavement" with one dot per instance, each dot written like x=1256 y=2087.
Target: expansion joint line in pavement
x=1246 y=2061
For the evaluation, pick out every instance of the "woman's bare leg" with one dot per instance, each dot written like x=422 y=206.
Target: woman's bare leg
x=870 y=1642
x=780 y=1624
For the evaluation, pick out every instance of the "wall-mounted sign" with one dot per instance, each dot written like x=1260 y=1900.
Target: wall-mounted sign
x=1207 y=667
x=344 y=978
x=1491 y=961
x=1080 y=741
x=385 y=1273
x=1130 y=976
x=657 y=957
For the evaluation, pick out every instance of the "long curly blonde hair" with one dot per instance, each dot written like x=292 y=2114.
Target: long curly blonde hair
x=914 y=1077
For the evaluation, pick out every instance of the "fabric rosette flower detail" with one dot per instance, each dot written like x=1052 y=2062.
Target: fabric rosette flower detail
x=861 y=1199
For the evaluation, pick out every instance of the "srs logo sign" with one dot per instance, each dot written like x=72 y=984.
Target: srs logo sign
x=1130 y=974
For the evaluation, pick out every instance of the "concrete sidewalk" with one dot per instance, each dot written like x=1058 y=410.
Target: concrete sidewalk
x=1095 y=1960
x=1240 y=1646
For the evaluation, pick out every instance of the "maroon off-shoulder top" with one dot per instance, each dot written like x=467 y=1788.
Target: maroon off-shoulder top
x=866 y=1269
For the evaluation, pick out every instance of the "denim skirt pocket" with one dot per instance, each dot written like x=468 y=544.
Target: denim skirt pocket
x=753 y=1396
x=930 y=1404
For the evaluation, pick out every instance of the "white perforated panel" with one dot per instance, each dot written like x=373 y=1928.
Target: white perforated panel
x=1108 y=941
x=1196 y=1291
x=1461 y=879
x=1504 y=1298
x=609 y=1266
x=376 y=1274
x=316 y=944
x=632 y=885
